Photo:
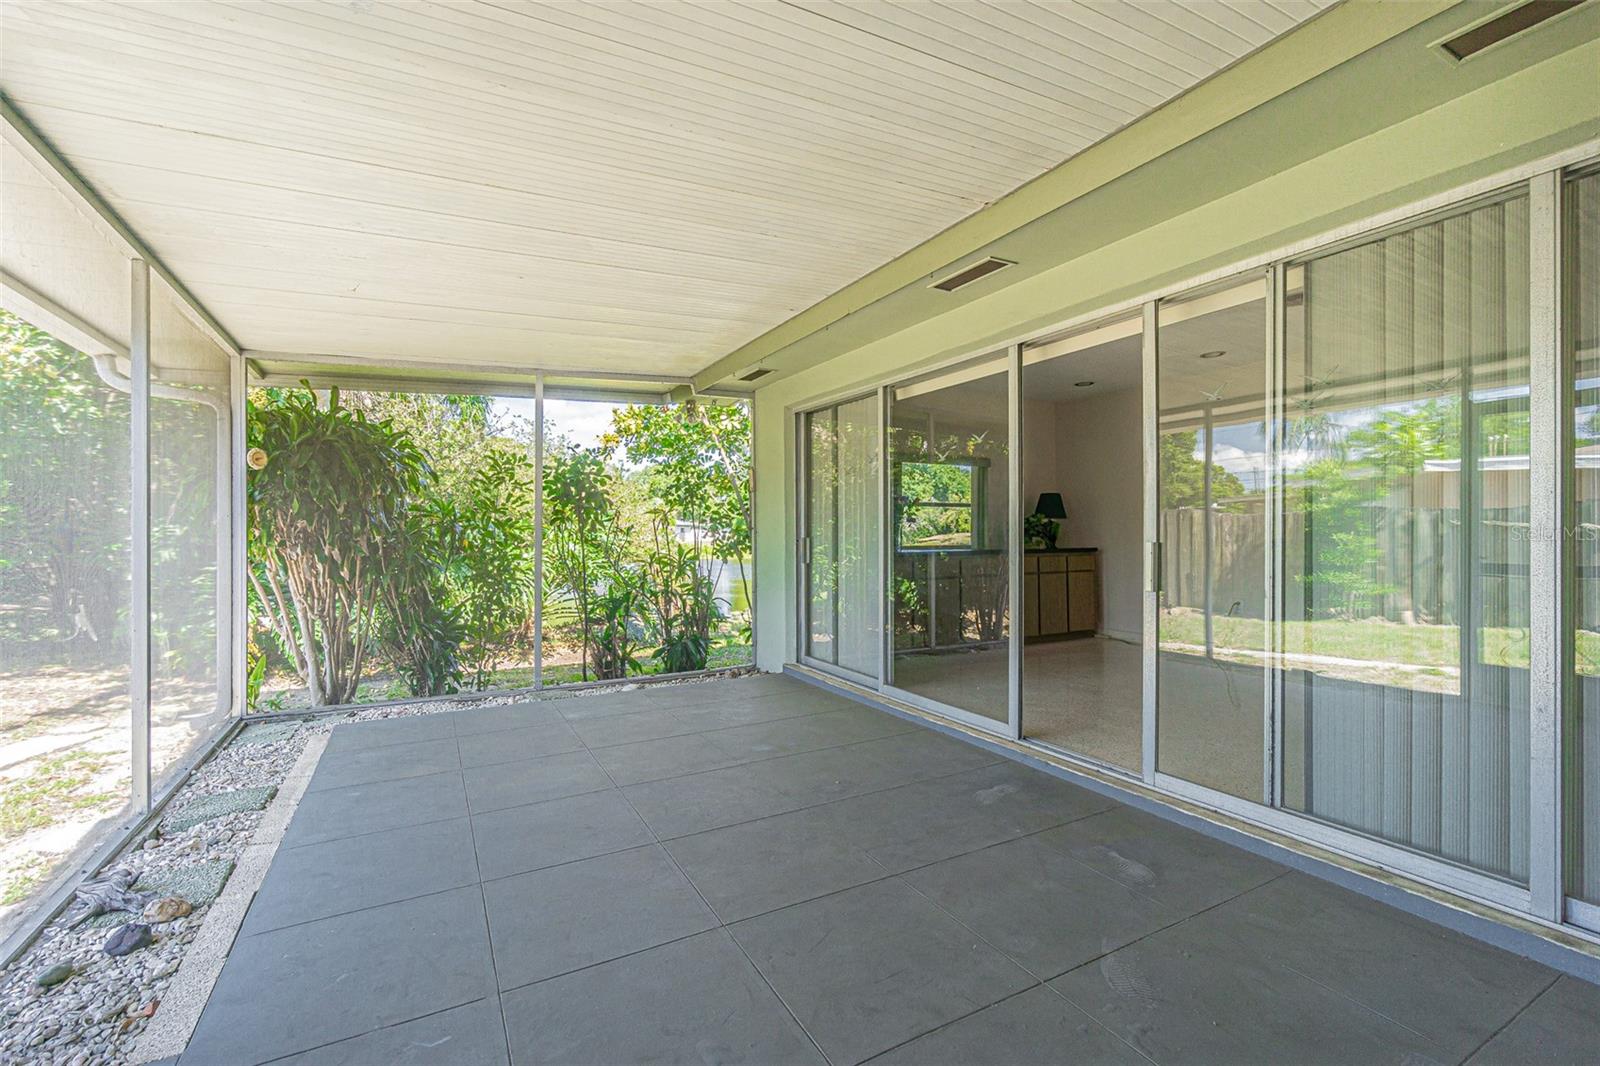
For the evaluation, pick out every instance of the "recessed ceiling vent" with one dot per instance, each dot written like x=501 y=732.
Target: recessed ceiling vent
x=1504 y=26
x=754 y=373
x=968 y=274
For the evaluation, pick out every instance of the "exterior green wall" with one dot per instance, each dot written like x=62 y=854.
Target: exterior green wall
x=1079 y=261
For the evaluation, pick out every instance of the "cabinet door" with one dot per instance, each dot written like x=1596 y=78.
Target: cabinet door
x=1053 y=603
x=1030 y=604
x=1081 y=601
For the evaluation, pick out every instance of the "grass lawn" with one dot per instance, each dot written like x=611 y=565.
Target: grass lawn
x=1370 y=640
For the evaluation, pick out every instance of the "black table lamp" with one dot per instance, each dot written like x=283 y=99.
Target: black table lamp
x=1050 y=506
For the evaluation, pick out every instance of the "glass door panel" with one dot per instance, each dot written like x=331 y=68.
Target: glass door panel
x=1582 y=745
x=1082 y=594
x=842 y=556
x=1405 y=477
x=950 y=519
x=1211 y=483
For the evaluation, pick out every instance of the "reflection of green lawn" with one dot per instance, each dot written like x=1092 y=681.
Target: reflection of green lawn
x=1368 y=640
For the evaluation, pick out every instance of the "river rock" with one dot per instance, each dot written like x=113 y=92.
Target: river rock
x=128 y=938
x=54 y=975
x=166 y=909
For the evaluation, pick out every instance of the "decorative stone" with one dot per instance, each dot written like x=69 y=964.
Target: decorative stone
x=217 y=805
x=128 y=938
x=166 y=909
x=200 y=884
x=54 y=975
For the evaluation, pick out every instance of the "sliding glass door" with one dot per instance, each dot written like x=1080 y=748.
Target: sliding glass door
x=1321 y=595
x=841 y=557
x=1212 y=528
x=1405 y=465
x=1582 y=740
x=950 y=518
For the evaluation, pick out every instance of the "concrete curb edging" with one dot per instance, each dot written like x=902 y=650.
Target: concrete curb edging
x=169 y=1030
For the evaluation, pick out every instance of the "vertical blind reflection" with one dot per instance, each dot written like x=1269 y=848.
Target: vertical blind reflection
x=1406 y=529
x=1583 y=534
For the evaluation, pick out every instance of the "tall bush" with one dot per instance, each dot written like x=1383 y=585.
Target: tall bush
x=491 y=566
x=333 y=495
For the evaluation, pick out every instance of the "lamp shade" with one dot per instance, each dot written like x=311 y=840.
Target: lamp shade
x=1050 y=505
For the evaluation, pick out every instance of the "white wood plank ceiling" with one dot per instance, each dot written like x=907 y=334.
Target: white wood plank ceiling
x=592 y=186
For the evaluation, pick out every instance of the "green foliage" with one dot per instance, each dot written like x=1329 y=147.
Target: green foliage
x=491 y=571
x=682 y=597
x=420 y=626
x=698 y=464
x=1183 y=475
x=63 y=503
x=452 y=579
x=584 y=547
x=333 y=496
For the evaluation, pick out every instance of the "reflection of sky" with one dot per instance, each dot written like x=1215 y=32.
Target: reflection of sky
x=582 y=422
x=1240 y=450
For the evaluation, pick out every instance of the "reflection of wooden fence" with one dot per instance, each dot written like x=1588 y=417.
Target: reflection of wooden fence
x=1416 y=566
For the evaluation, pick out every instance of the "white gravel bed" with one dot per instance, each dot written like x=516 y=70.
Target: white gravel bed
x=94 y=1018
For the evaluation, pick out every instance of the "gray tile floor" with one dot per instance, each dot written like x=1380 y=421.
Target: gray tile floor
x=757 y=871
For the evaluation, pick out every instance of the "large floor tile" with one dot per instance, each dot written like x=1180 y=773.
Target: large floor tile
x=765 y=707
x=1193 y=994
x=695 y=803
x=1036 y=1027
x=1038 y=906
x=551 y=921
x=1156 y=858
x=514 y=745
x=482 y=720
x=814 y=777
x=871 y=967
x=519 y=839
x=924 y=754
x=1561 y=1026
x=377 y=732
x=928 y=821
x=294 y=989
x=490 y=788
x=472 y=1035
x=1386 y=959
x=694 y=1001
x=343 y=812
x=610 y=730
x=390 y=762
x=657 y=760
x=787 y=736
x=749 y=869
x=590 y=708
x=319 y=880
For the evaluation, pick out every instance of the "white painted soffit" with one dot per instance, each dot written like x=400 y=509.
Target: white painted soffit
x=595 y=187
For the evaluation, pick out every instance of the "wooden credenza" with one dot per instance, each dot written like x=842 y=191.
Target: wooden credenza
x=1060 y=594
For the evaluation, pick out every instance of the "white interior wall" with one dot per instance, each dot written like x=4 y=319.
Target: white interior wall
x=1099 y=472
x=1038 y=450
